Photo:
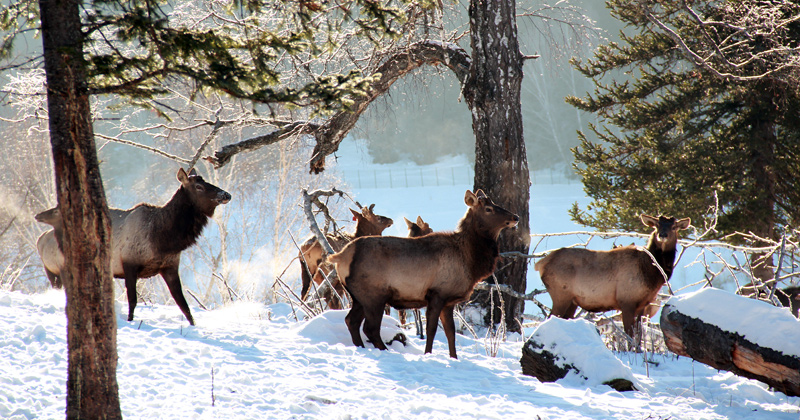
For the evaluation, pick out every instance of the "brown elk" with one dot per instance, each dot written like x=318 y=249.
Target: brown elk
x=415 y=230
x=623 y=278
x=436 y=271
x=49 y=246
x=148 y=240
x=311 y=252
x=418 y=228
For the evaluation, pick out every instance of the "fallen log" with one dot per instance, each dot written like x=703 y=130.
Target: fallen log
x=708 y=344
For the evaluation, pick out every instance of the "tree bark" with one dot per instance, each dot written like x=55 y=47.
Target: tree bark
x=710 y=345
x=501 y=166
x=762 y=213
x=92 y=390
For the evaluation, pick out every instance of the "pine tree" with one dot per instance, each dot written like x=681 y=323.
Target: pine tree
x=134 y=48
x=674 y=134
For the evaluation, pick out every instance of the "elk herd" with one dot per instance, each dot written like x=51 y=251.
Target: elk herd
x=427 y=269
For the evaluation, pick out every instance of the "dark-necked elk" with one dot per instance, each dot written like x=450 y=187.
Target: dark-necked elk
x=624 y=278
x=435 y=271
x=48 y=246
x=367 y=224
x=147 y=240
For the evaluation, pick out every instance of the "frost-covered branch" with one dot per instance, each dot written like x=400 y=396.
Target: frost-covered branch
x=748 y=41
x=330 y=134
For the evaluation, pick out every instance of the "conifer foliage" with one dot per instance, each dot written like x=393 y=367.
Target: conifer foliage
x=676 y=131
x=133 y=48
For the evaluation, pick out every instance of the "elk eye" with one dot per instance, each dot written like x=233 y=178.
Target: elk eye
x=489 y=210
x=199 y=187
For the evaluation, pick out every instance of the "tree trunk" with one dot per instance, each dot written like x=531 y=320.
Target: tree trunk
x=761 y=213
x=501 y=166
x=710 y=345
x=92 y=390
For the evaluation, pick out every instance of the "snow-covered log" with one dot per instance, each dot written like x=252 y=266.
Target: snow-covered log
x=559 y=346
x=747 y=337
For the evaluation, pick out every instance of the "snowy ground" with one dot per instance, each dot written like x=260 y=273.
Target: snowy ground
x=267 y=365
x=255 y=361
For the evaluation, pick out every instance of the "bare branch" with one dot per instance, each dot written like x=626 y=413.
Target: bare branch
x=142 y=146
x=330 y=134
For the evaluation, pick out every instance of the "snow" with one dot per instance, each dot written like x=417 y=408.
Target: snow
x=764 y=324
x=267 y=365
x=254 y=360
x=576 y=342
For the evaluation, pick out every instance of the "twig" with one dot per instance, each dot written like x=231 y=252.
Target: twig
x=191 y=293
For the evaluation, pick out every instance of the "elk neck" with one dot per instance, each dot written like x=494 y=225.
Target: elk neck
x=178 y=224
x=479 y=246
x=663 y=251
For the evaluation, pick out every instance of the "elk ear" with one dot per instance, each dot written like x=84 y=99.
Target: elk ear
x=683 y=223
x=470 y=199
x=409 y=223
x=356 y=214
x=419 y=221
x=649 y=220
x=182 y=177
x=367 y=211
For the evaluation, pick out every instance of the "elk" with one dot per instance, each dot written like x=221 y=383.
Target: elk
x=435 y=271
x=311 y=252
x=418 y=228
x=623 y=278
x=49 y=246
x=415 y=230
x=147 y=240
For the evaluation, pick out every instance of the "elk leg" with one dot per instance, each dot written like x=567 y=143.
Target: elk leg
x=418 y=323
x=449 y=327
x=628 y=318
x=563 y=309
x=305 y=274
x=338 y=298
x=435 y=305
x=353 y=321
x=173 y=280
x=55 y=280
x=131 y=273
x=372 y=325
